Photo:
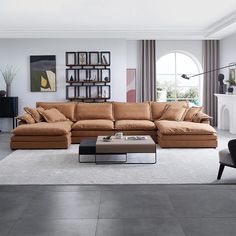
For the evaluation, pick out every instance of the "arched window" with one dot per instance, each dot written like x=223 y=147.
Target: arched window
x=171 y=86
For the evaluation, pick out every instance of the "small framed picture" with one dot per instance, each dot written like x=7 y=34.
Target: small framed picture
x=106 y=91
x=70 y=58
x=71 y=75
x=83 y=75
x=93 y=75
x=106 y=75
x=105 y=58
x=82 y=58
x=93 y=58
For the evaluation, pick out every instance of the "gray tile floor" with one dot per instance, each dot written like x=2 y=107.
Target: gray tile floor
x=115 y=210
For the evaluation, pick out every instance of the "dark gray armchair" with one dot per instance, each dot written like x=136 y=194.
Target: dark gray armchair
x=227 y=157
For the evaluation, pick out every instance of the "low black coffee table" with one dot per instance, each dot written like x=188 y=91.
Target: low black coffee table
x=117 y=151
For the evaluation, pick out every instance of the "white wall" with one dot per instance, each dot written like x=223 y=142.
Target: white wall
x=17 y=52
x=227 y=53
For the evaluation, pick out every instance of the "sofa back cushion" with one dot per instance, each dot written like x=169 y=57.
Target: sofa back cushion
x=158 y=108
x=92 y=111
x=132 y=111
x=66 y=108
x=53 y=115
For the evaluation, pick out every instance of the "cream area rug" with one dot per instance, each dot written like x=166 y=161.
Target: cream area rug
x=174 y=166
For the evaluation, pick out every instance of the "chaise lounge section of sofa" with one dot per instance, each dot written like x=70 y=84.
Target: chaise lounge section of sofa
x=89 y=120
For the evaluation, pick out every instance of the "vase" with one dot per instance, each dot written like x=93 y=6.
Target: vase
x=8 y=90
x=230 y=90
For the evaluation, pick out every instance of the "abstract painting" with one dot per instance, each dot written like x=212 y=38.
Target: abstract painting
x=43 y=73
x=130 y=85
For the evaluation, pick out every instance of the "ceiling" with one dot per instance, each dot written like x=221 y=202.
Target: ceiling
x=130 y=19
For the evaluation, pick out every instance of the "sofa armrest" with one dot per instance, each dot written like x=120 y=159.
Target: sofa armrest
x=201 y=117
x=232 y=149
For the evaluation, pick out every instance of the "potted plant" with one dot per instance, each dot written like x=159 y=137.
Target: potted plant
x=8 y=75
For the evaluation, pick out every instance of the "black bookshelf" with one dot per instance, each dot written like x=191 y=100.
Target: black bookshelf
x=88 y=76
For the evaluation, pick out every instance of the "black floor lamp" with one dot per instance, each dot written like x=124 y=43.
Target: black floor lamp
x=220 y=77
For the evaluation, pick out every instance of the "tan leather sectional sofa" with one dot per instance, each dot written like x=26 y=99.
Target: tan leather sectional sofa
x=93 y=119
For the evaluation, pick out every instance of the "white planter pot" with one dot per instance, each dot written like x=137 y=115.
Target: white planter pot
x=234 y=92
x=162 y=96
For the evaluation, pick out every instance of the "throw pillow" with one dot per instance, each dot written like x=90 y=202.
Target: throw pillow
x=34 y=112
x=52 y=115
x=200 y=116
x=191 y=112
x=26 y=118
x=174 y=113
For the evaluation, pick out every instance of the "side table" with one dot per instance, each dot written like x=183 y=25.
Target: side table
x=9 y=108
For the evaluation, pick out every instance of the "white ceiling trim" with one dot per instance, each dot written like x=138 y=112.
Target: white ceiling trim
x=104 y=33
x=215 y=31
x=221 y=25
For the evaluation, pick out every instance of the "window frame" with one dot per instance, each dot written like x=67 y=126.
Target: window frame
x=176 y=76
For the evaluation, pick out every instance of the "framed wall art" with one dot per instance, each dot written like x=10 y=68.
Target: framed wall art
x=43 y=73
x=131 y=85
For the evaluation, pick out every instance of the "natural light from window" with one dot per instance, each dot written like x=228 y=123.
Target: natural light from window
x=171 y=86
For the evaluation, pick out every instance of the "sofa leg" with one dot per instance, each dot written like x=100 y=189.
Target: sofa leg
x=220 y=172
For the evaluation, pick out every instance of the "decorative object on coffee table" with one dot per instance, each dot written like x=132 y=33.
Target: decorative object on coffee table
x=8 y=75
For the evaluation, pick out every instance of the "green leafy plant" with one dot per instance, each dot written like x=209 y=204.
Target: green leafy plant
x=8 y=74
x=231 y=79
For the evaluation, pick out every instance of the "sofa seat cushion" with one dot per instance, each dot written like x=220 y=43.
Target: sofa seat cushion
x=44 y=128
x=183 y=127
x=93 y=125
x=134 y=125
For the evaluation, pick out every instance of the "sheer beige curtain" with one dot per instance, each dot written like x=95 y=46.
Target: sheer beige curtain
x=210 y=82
x=148 y=70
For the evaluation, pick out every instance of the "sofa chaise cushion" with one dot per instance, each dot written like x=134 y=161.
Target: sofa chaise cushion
x=131 y=111
x=44 y=128
x=183 y=127
x=134 y=125
x=93 y=125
